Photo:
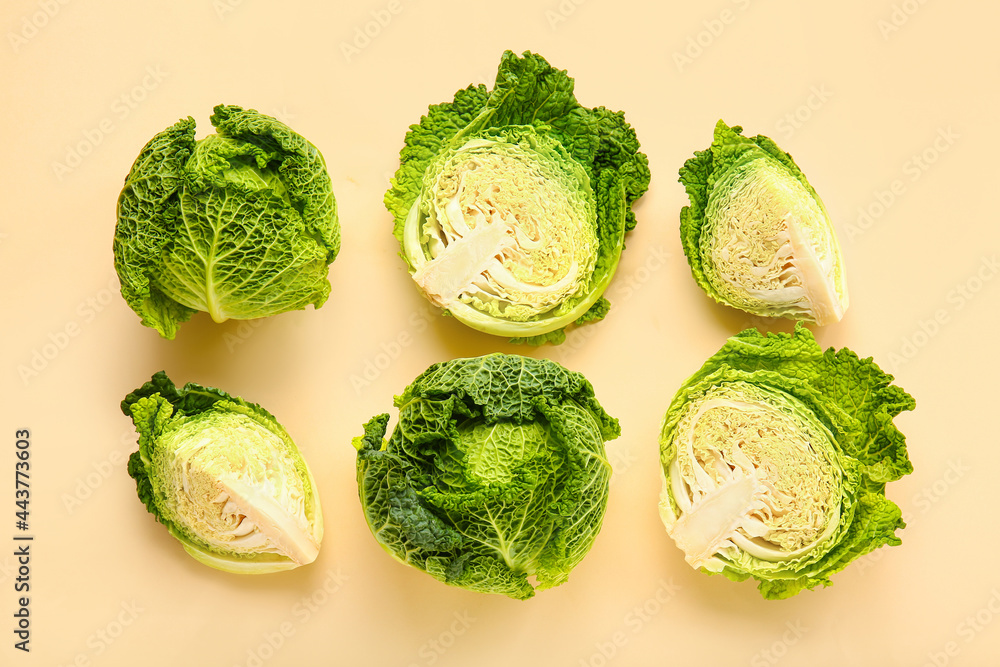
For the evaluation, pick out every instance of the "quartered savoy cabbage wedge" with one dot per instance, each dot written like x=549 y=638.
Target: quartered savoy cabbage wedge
x=775 y=456
x=224 y=477
x=511 y=205
x=756 y=233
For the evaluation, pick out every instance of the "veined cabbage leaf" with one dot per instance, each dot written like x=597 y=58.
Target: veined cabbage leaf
x=224 y=477
x=756 y=234
x=241 y=224
x=775 y=456
x=511 y=205
x=495 y=478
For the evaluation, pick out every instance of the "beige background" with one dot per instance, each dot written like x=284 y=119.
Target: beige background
x=888 y=106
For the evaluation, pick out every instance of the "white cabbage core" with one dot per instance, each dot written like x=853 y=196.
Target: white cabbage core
x=769 y=247
x=751 y=474
x=507 y=230
x=236 y=489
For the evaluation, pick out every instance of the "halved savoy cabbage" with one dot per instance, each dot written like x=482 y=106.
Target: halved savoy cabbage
x=511 y=205
x=775 y=456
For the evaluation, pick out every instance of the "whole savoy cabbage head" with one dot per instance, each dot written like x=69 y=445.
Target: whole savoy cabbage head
x=241 y=224
x=494 y=479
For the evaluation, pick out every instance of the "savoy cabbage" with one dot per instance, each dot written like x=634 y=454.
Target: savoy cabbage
x=756 y=233
x=241 y=224
x=775 y=456
x=495 y=478
x=511 y=205
x=224 y=477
